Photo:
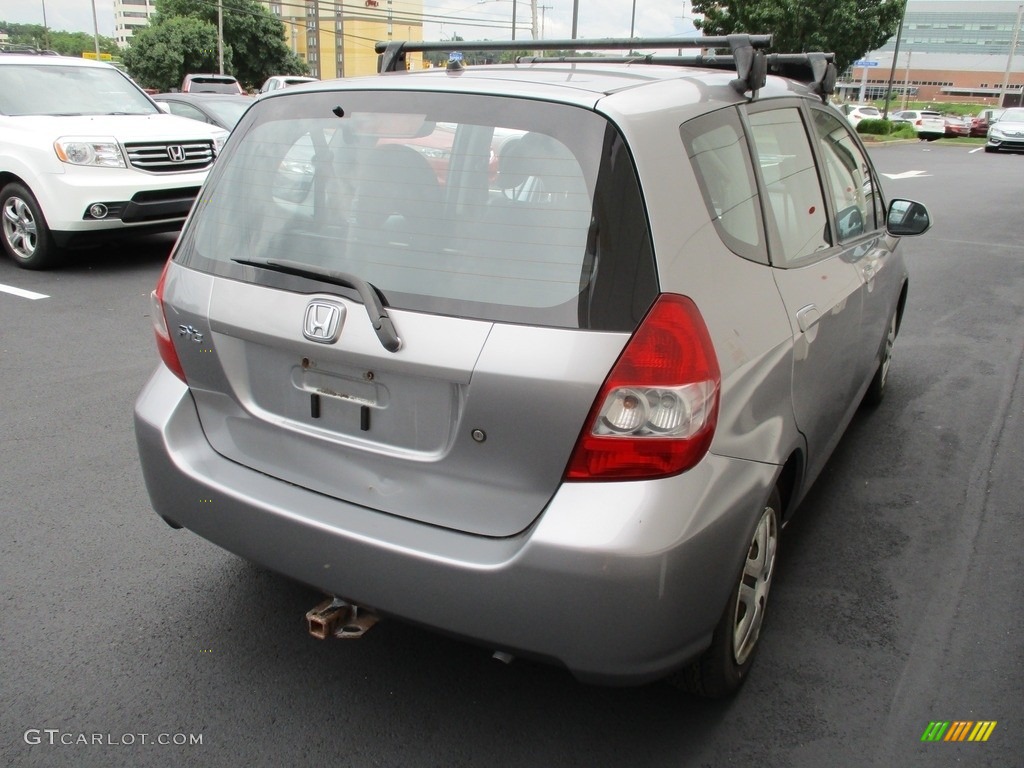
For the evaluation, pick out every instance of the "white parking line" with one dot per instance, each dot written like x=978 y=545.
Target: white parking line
x=22 y=292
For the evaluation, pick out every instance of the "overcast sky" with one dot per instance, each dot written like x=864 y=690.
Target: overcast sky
x=597 y=18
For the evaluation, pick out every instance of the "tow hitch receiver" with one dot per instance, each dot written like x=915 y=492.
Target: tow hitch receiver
x=340 y=619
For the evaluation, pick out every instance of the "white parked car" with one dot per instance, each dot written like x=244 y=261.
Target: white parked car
x=283 y=81
x=86 y=155
x=857 y=112
x=928 y=124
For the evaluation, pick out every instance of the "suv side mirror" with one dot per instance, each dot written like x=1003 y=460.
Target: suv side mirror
x=906 y=217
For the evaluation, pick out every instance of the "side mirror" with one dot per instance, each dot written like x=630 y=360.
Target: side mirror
x=905 y=217
x=164 y=107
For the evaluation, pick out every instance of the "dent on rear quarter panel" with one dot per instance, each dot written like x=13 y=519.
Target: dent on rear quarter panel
x=737 y=298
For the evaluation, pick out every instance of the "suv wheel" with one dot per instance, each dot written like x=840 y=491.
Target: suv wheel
x=26 y=237
x=723 y=667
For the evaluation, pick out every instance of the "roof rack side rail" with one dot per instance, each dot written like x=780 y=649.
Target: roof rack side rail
x=392 y=53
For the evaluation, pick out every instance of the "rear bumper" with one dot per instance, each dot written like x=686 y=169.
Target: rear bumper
x=619 y=582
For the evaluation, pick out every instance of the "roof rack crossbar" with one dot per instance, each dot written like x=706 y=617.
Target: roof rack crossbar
x=746 y=56
x=393 y=52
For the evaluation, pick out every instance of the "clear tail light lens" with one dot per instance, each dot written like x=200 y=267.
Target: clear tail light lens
x=656 y=412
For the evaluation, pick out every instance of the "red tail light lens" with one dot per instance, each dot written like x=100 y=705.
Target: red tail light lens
x=656 y=413
x=164 y=344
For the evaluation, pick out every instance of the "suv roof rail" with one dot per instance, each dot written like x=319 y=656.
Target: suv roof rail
x=746 y=56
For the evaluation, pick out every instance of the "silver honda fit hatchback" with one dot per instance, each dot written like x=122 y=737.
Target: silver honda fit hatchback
x=541 y=354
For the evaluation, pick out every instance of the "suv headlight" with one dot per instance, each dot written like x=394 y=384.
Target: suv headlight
x=100 y=152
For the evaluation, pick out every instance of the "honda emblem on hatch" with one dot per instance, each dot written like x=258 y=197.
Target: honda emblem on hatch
x=323 y=322
x=176 y=153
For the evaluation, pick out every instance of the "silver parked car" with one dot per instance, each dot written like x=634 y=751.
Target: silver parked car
x=543 y=355
x=1006 y=131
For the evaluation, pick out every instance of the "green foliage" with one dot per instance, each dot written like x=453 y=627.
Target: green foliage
x=64 y=43
x=904 y=131
x=162 y=54
x=848 y=28
x=874 y=127
x=254 y=46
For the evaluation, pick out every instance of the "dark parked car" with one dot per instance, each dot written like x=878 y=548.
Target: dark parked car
x=220 y=109
x=981 y=121
x=957 y=126
x=563 y=409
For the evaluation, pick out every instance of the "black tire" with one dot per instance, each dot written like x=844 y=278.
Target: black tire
x=723 y=667
x=876 y=389
x=26 y=237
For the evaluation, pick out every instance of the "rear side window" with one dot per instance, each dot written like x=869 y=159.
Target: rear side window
x=717 y=148
x=500 y=209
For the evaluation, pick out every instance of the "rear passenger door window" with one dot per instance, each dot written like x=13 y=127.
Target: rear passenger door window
x=794 y=202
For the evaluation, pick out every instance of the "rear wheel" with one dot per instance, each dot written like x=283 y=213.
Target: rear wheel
x=723 y=667
x=876 y=390
x=26 y=238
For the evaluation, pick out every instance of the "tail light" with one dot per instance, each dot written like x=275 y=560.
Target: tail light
x=656 y=412
x=919 y=121
x=164 y=344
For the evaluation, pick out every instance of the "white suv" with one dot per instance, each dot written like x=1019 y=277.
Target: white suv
x=86 y=155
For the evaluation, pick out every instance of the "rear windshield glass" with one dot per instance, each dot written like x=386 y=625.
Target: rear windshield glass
x=473 y=206
x=213 y=85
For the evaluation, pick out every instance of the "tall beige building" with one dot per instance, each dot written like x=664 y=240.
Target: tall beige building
x=129 y=15
x=336 y=39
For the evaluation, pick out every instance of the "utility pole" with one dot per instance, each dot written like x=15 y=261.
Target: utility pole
x=1009 y=57
x=895 y=54
x=95 y=31
x=46 y=30
x=220 y=35
x=543 y=19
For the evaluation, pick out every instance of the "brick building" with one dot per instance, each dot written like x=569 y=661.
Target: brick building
x=949 y=51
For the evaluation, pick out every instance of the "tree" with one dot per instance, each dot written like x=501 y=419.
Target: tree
x=162 y=54
x=253 y=33
x=848 y=28
x=64 y=43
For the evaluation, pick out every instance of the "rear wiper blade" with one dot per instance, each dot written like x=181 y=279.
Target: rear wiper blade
x=371 y=297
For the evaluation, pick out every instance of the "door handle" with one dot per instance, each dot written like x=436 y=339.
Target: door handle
x=807 y=317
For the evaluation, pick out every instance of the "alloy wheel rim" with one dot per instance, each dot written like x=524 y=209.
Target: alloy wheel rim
x=890 y=341
x=20 y=228
x=758 y=570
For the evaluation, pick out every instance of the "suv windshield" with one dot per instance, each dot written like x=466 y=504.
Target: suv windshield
x=452 y=204
x=29 y=89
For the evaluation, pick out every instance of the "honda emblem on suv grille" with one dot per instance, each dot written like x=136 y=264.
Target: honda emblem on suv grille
x=176 y=153
x=323 y=322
